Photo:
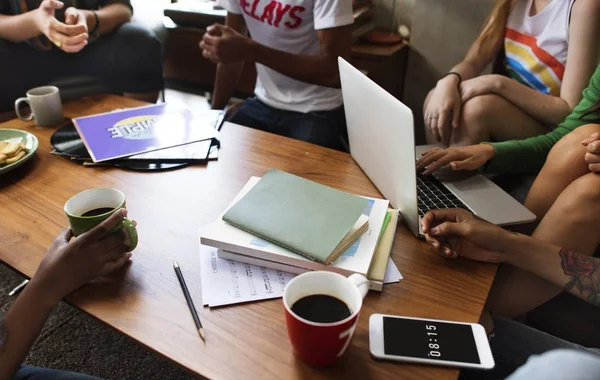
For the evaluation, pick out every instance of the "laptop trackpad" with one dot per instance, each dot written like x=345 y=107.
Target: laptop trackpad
x=485 y=198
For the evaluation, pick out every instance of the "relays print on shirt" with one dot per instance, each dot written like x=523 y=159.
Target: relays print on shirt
x=291 y=26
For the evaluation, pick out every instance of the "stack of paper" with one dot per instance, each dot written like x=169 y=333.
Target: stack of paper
x=367 y=255
x=227 y=282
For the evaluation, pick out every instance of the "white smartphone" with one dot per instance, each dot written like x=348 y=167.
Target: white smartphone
x=429 y=341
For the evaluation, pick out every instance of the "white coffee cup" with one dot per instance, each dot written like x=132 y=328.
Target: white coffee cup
x=46 y=106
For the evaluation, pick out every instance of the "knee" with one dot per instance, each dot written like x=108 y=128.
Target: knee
x=568 y=153
x=139 y=46
x=476 y=111
x=584 y=195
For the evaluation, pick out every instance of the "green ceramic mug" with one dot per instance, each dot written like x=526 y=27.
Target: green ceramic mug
x=91 y=207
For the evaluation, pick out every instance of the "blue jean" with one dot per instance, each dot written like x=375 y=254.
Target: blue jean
x=513 y=343
x=325 y=128
x=35 y=373
x=129 y=59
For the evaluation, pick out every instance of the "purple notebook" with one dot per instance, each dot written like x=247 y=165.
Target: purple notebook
x=133 y=131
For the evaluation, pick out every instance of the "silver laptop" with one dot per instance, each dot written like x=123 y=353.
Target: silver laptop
x=382 y=142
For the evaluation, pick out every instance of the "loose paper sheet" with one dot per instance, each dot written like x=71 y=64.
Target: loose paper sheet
x=226 y=282
x=392 y=274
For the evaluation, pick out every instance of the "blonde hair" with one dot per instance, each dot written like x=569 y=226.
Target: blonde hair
x=494 y=26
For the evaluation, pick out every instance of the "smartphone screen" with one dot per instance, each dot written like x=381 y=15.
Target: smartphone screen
x=429 y=340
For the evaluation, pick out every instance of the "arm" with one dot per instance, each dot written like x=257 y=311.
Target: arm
x=530 y=154
x=456 y=232
x=22 y=27
x=582 y=58
x=65 y=267
x=442 y=113
x=23 y=322
x=228 y=74
x=110 y=15
x=19 y=28
x=576 y=273
x=319 y=69
x=222 y=44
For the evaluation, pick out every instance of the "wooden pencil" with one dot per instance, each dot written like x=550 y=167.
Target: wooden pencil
x=189 y=300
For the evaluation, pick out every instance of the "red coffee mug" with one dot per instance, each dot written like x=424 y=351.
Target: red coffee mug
x=321 y=344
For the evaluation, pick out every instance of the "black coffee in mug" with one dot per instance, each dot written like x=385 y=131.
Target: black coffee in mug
x=98 y=211
x=321 y=308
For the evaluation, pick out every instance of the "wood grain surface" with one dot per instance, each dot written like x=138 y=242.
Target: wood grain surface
x=145 y=301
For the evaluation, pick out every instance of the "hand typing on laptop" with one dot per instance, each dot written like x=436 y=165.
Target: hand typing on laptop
x=469 y=157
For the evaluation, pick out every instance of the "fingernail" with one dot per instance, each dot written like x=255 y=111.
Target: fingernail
x=124 y=211
x=434 y=231
x=453 y=165
x=129 y=255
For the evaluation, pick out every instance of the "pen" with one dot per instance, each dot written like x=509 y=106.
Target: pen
x=18 y=288
x=188 y=298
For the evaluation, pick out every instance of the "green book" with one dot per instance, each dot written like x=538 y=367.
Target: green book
x=305 y=217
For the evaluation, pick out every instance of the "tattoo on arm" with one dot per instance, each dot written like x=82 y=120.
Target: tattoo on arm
x=585 y=274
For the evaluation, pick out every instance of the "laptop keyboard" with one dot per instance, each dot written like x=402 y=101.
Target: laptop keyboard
x=433 y=195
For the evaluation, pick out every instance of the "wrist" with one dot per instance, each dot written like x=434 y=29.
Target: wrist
x=90 y=19
x=252 y=50
x=449 y=80
x=526 y=251
x=42 y=293
x=490 y=151
x=497 y=84
x=36 y=18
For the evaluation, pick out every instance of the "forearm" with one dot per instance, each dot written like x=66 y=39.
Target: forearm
x=321 y=69
x=19 y=28
x=466 y=69
x=228 y=75
x=23 y=323
x=545 y=108
x=110 y=16
x=574 y=272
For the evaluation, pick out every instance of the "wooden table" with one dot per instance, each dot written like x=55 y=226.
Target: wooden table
x=145 y=302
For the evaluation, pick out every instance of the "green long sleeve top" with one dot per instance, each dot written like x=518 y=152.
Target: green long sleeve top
x=529 y=155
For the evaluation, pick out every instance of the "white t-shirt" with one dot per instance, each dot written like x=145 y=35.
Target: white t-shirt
x=536 y=46
x=290 y=25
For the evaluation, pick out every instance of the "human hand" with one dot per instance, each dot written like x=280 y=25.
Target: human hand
x=469 y=157
x=69 y=38
x=222 y=44
x=592 y=155
x=481 y=85
x=457 y=232
x=443 y=111
x=69 y=265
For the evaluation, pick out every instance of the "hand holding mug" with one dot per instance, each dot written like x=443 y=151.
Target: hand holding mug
x=70 y=38
x=68 y=265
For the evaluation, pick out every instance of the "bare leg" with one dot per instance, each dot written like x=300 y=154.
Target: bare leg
x=150 y=97
x=491 y=117
x=572 y=222
x=564 y=164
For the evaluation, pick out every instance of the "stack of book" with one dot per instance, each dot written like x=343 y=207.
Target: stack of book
x=288 y=223
x=364 y=12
